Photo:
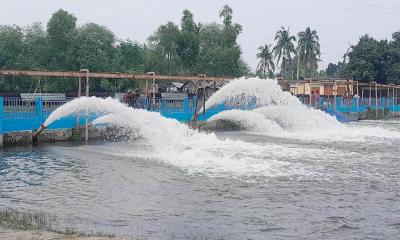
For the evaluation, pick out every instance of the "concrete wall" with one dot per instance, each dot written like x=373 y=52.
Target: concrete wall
x=17 y=138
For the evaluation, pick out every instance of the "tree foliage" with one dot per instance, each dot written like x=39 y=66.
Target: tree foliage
x=371 y=60
x=194 y=48
x=266 y=65
x=187 y=48
x=308 y=51
x=284 y=49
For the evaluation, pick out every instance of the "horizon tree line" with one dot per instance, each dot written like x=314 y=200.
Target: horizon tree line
x=189 y=47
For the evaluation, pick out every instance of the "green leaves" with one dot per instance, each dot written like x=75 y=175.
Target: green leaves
x=266 y=65
x=190 y=48
x=195 y=48
x=94 y=47
x=283 y=49
x=308 y=50
x=369 y=60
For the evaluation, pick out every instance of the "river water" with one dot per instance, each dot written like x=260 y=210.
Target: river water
x=253 y=186
x=292 y=172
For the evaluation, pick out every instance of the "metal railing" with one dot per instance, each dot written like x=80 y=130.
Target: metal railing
x=17 y=107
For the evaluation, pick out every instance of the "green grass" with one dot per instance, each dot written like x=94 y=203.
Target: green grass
x=13 y=219
x=28 y=221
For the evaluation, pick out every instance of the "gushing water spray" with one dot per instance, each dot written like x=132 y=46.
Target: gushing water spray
x=263 y=91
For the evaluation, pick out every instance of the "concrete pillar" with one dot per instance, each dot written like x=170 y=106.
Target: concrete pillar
x=87 y=112
x=376 y=101
x=78 y=116
x=1 y=121
x=334 y=95
x=154 y=91
x=370 y=93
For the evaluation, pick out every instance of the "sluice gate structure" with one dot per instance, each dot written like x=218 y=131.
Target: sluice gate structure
x=20 y=116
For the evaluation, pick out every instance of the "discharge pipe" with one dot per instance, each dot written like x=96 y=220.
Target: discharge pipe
x=38 y=131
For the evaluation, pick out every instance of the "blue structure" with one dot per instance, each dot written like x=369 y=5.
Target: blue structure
x=17 y=115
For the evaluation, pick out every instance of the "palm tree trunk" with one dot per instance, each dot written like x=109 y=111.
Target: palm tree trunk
x=298 y=66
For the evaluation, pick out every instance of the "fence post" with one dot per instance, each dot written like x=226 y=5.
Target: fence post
x=194 y=103
x=163 y=105
x=339 y=102
x=1 y=121
x=39 y=109
x=186 y=104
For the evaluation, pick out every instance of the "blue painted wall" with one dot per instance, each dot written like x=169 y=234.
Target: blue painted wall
x=22 y=121
x=26 y=121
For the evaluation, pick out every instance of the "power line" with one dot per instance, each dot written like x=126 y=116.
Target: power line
x=394 y=10
x=350 y=8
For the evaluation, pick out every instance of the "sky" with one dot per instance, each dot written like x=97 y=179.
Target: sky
x=339 y=23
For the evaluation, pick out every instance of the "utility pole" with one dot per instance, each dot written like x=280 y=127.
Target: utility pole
x=78 y=116
x=334 y=95
x=87 y=111
x=370 y=93
x=153 y=75
x=310 y=90
x=298 y=65
x=376 y=100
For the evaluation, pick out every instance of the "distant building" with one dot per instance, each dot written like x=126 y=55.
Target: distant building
x=323 y=86
x=175 y=87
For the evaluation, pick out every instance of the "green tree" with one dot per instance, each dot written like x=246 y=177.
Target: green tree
x=369 y=60
x=220 y=54
x=129 y=57
x=308 y=51
x=61 y=29
x=394 y=59
x=11 y=38
x=266 y=61
x=35 y=52
x=188 y=44
x=163 y=57
x=94 y=46
x=336 y=70
x=284 y=49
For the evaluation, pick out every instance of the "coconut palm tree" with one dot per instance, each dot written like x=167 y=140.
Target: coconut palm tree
x=266 y=63
x=284 y=48
x=308 y=49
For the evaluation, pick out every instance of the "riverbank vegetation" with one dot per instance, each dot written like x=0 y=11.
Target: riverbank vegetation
x=28 y=221
x=184 y=48
x=188 y=48
x=297 y=57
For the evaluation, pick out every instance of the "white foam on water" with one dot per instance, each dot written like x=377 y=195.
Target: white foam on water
x=174 y=143
x=156 y=129
x=278 y=113
x=249 y=120
x=265 y=92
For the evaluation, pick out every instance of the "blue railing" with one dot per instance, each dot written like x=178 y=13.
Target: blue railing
x=25 y=115
x=17 y=114
x=352 y=105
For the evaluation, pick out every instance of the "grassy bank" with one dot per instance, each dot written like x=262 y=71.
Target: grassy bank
x=30 y=221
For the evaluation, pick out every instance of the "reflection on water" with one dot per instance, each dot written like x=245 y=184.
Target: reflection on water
x=281 y=188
